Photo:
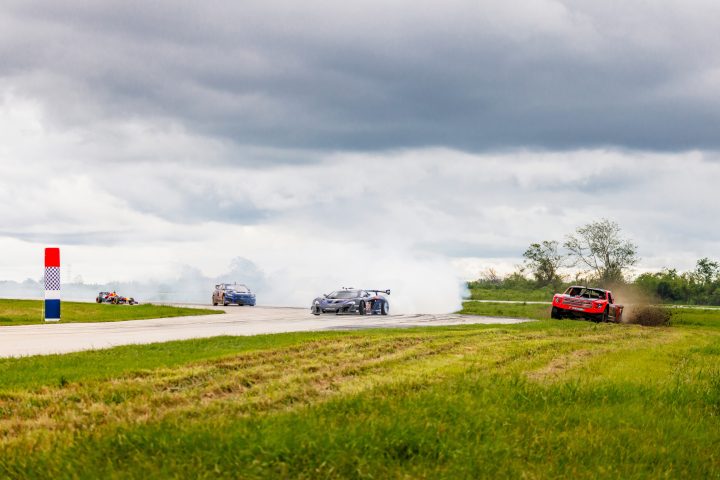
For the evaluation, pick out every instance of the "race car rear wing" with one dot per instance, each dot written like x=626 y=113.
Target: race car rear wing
x=386 y=292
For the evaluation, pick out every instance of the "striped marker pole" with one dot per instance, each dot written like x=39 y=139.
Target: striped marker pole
x=52 y=284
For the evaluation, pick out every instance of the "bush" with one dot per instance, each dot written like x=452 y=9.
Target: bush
x=648 y=315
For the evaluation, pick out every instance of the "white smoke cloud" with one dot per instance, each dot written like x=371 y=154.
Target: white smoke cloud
x=419 y=285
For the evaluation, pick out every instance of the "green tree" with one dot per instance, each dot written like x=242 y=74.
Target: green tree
x=544 y=261
x=707 y=271
x=600 y=249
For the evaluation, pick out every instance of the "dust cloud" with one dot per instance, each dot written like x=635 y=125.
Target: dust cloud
x=640 y=308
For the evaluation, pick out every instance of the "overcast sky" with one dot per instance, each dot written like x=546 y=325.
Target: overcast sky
x=342 y=142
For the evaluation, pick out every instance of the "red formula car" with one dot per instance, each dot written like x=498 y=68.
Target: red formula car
x=590 y=303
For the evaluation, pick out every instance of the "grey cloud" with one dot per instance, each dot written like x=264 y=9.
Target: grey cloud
x=374 y=76
x=469 y=249
x=74 y=238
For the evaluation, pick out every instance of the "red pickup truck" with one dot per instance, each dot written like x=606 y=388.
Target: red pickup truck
x=591 y=303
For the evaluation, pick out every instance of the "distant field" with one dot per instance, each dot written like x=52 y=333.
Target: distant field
x=537 y=400
x=536 y=295
x=27 y=312
x=513 y=310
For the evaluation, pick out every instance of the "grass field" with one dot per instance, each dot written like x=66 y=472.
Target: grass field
x=27 y=312
x=544 y=294
x=514 y=310
x=536 y=400
x=687 y=316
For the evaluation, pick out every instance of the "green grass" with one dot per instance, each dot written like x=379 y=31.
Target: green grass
x=28 y=312
x=685 y=316
x=688 y=316
x=544 y=294
x=537 y=400
x=514 y=310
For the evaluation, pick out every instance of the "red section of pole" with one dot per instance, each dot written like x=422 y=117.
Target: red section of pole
x=52 y=257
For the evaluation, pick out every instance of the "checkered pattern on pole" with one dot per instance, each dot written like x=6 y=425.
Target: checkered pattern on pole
x=52 y=278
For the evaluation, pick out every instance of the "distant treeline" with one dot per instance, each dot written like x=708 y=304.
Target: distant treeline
x=697 y=287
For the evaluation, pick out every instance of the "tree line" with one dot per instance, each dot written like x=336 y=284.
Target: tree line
x=598 y=254
x=698 y=287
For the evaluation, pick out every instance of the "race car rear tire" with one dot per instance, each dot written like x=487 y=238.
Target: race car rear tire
x=385 y=308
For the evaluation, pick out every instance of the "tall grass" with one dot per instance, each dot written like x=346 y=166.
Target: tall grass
x=538 y=400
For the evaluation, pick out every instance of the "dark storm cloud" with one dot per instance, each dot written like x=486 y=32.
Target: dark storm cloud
x=373 y=75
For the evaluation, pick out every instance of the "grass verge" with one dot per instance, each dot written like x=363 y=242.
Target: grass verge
x=685 y=316
x=513 y=310
x=544 y=294
x=28 y=312
x=537 y=400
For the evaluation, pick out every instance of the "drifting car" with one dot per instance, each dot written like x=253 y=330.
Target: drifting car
x=114 y=298
x=593 y=304
x=237 y=293
x=352 y=301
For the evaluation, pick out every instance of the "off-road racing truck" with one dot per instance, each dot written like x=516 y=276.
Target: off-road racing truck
x=593 y=304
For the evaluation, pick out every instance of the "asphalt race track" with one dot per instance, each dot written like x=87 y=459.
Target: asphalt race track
x=72 y=337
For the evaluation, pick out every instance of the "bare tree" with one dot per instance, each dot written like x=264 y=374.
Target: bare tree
x=490 y=276
x=599 y=248
x=544 y=261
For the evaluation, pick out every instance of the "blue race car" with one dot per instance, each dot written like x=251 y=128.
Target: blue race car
x=352 y=301
x=227 y=293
